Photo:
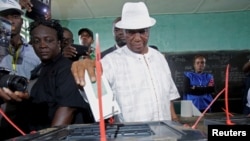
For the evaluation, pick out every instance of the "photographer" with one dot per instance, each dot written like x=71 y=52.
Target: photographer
x=75 y=52
x=20 y=60
x=67 y=50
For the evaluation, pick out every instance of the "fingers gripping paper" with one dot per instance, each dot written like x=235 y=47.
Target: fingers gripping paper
x=110 y=106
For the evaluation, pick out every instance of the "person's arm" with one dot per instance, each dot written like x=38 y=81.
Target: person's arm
x=7 y=95
x=246 y=67
x=173 y=113
x=69 y=52
x=78 y=69
x=63 y=116
x=174 y=116
x=25 y=4
x=201 y=90
x=210 y=88
x=197 y=90
x=187 y=86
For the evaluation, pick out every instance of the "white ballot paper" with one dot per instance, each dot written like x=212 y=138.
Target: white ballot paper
x=109 y=103
x=188 y=109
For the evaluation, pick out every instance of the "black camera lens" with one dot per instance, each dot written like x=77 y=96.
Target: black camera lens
x=14 y=82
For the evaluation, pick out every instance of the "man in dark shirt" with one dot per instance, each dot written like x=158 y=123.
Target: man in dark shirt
x=54 y=96
x=119 y=38
x=86 y=39
x=67 y=38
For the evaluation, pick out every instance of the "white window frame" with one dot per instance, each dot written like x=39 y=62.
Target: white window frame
x=24 y=30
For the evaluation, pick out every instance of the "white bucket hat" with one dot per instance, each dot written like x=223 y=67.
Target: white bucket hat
x=135 y=16
x=10 y=4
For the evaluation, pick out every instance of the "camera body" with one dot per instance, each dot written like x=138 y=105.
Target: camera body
x=81 y=51
x=13 y=82
x=39 y=9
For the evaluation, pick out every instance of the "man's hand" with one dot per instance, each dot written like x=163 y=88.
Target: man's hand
x=69 y=52
x=7 y=95
x=78 y=70
x=48 y=15
x=22 y=95
x=26 y=4
x=63 y=116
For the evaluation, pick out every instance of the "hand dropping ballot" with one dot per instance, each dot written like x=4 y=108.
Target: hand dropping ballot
x=110 y=106
x=99 y=94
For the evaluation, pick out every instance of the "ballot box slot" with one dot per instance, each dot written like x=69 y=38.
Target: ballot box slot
x=112 y=131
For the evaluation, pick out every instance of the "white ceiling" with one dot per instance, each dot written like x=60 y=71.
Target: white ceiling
x=82 y=9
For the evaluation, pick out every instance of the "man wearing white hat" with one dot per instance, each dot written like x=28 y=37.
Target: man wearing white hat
x=20 y=60
x=139 y=76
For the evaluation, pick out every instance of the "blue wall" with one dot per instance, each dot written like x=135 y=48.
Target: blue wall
x=185 y=32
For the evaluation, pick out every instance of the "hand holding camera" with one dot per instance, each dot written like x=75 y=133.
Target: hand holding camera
x=26 y=4
x=12 y=87
x=74 y=52
x=36 y=9
x=69 y=51
x=11 y=81
x=7 y=95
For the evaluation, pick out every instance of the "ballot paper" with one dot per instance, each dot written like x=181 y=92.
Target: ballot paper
x=188 y=109
x=109 y=103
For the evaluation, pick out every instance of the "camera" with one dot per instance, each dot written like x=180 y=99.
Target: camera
x=81 y=51
x=13 y=82
x=38 y=10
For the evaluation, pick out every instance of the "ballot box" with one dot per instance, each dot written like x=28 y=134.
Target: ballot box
x=146 y=131
x=237 y=120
